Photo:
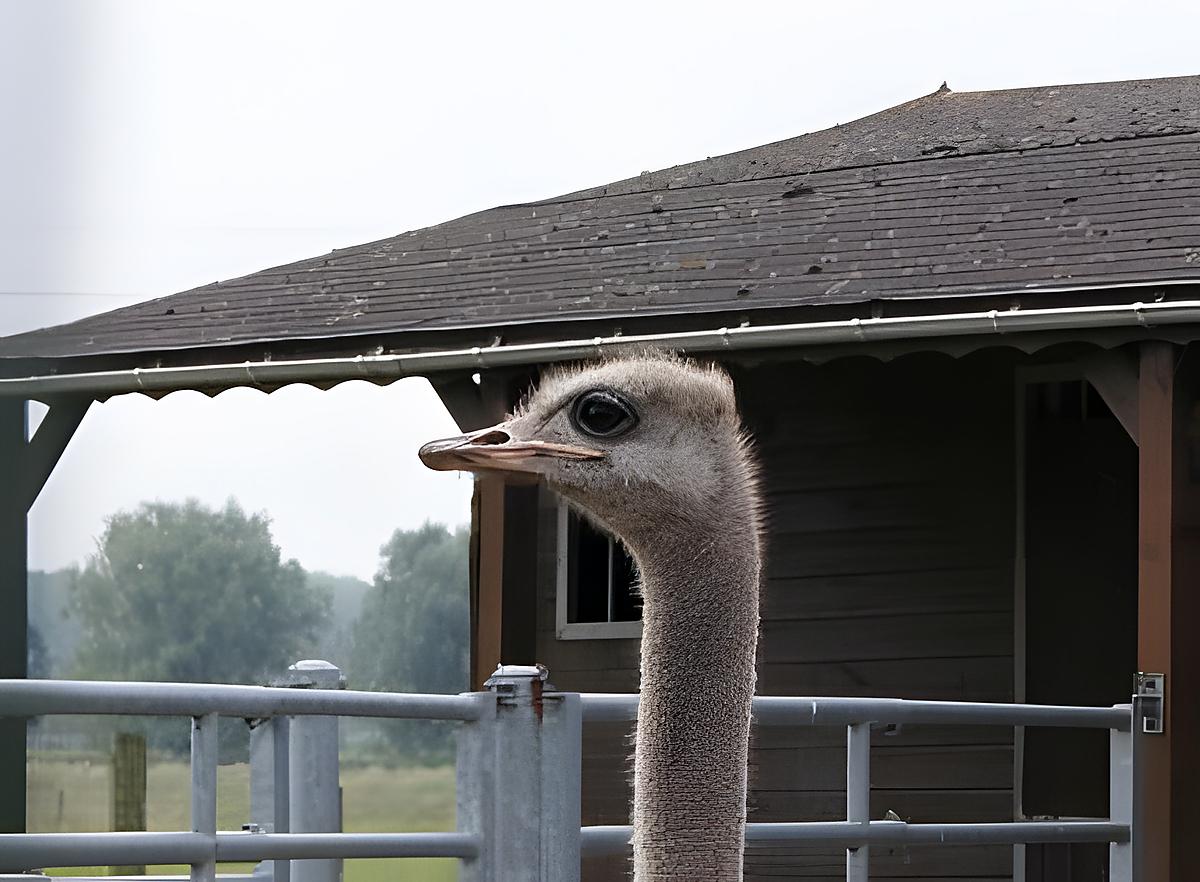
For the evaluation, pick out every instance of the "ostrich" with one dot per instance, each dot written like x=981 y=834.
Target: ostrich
x=651 y=447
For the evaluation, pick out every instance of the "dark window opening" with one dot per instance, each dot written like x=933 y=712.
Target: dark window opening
x=601 y=577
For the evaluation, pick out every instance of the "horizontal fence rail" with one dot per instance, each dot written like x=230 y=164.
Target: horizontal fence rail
x=518 y=789
x=30 y=698
x=91 y=849
x=612 y=840
x=857 y=833
x=797 y=711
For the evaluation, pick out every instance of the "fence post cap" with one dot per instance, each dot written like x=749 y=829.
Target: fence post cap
x=508 y=673
x=313 y=673
x=312 y=664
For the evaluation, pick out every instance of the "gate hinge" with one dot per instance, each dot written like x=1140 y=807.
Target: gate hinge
x=1151 y=695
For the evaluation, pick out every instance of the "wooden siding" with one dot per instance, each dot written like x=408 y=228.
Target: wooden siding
x=890 y=490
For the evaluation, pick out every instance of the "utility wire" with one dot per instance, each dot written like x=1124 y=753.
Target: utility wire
x=69 y=294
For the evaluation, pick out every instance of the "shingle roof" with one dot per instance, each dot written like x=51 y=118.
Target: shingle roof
x=953 y=194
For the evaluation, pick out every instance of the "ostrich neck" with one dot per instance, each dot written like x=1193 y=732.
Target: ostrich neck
x=700 y=627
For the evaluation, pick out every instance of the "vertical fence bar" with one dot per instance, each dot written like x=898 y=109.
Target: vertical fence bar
x=269 y=788
x=517 y=811
x=519 y=780
x=1120 y=800
x=858 y=795
x=475 y=790
x=314 y=797
x=204 y=789
x=262 y=786
x=281 y=795
x=1139 y=795
x=561 y=771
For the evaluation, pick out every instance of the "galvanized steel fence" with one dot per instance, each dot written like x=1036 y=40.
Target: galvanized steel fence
x=518 y=779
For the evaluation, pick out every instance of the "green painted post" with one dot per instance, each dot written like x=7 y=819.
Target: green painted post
x=14 y=614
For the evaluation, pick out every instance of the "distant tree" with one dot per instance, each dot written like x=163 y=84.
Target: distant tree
x=336 y=640
x=414 y=631
x=184 y=592
x=37 y=661
x=58 y=633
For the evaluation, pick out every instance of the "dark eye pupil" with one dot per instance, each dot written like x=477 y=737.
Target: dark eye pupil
x=603 y=414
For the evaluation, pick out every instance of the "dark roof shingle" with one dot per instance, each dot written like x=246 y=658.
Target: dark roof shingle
x=952 y=194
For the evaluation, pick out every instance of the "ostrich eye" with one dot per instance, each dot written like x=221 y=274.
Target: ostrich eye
x=602 y=414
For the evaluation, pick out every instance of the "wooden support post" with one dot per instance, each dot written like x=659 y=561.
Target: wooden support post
x=25 y=466
x=13 y=607
x=128 y=792
x=487 y=600
x=476 y=406
x=503 y=576
x=1169 y=607
x=503 y=532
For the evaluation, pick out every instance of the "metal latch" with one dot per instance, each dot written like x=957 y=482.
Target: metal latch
x=1151 y=693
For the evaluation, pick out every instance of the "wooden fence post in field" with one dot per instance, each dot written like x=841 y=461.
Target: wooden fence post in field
x=129 y=790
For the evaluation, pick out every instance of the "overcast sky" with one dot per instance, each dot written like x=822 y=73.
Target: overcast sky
x=149 y=147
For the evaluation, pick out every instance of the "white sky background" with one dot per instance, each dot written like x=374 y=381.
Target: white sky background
x=150 y=147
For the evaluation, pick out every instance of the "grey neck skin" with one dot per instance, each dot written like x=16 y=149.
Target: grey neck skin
x=697 y=548
x=700 y=628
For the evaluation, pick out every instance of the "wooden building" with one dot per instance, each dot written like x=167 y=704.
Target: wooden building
x=964 y=335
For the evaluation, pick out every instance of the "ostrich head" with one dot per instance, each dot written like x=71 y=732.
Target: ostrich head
x=640 y=443
x=651 y=447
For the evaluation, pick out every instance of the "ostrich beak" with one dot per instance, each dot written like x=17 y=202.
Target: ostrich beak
x=495 y=450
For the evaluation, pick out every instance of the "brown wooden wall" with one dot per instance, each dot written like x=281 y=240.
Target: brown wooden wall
x=890 y=492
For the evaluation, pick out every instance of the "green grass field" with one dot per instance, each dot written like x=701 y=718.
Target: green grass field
x=72 y=793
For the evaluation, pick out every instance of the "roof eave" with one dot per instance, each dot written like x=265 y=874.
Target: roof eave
x=849 y=336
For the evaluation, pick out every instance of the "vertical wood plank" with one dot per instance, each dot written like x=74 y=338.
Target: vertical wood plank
x=496 y=393
x=1169 y=566
x=473 y=563
x=1155 y=429
x=1183 y=695
x=503 y=538
x=489 y=595
x=476 y=406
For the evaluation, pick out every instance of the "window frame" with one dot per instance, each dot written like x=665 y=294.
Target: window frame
x=566 y=630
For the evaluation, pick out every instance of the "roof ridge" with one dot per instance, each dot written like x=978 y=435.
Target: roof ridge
x=1085 y=84
x=575 y=197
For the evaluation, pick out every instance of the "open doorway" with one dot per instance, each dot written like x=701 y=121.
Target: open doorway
x=1080 y=606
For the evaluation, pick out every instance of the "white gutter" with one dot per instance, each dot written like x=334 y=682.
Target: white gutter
x=271 y=374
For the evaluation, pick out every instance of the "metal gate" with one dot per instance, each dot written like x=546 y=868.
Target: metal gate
x=518 y=787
